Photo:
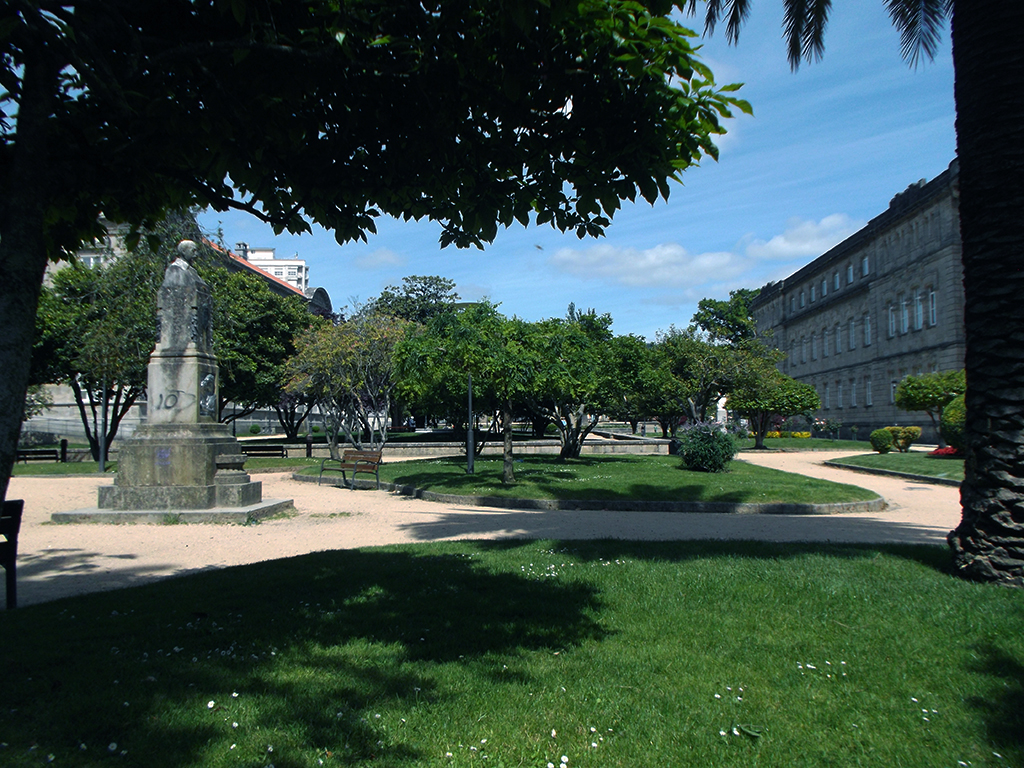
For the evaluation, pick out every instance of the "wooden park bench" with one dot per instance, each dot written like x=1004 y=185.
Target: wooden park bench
x=10 y=523
x=38 y=454
x=267 y=451
x=353 y=461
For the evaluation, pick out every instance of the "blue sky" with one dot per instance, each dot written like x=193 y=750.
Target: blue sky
x=826 y=150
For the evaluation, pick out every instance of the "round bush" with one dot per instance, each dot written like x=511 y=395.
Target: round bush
x=881 y=440
x=316 y=430
x=706 y=448
x=953 y=421
x=255 y=429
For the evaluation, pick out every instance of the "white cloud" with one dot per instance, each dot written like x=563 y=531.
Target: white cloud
x=805 y=238
x=666 y=265
x=682 y=276
x=382 y=257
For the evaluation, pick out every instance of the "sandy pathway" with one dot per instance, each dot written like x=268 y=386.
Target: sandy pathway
x=59 y=560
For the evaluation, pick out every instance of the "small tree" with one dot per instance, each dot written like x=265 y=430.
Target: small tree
x=762 y=398
x=931 y=392
x=254 y=332
x=348 y=370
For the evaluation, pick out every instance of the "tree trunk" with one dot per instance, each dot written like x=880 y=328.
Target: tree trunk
x=508 y=473
x=23 y=251
x=989 y=62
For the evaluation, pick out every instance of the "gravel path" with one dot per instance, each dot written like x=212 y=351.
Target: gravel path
x=59 y=560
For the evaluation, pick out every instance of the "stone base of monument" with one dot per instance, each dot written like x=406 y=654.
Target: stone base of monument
x=236 y=515
x=179 y=473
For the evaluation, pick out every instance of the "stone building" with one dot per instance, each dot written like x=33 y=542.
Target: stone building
x=885 y=303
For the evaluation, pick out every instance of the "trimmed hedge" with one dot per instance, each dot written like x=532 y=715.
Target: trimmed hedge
x=881 y=440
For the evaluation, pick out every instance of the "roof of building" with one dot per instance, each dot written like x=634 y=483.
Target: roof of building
x=912 y=198
x=237 y=264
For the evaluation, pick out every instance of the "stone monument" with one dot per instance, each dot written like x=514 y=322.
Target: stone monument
x=182 y=461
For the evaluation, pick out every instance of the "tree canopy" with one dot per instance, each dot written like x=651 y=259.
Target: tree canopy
x=729 y=321
x=547 y=112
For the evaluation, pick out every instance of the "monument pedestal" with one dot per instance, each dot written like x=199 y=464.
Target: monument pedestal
x=180 y=466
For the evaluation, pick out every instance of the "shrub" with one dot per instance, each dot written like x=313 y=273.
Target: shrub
x=801 y=435
x=881 y=440
x=255 y=429
x=706 y=448
x=952 y=423
x=903 y=437
x=316 y=430
x=945 y=453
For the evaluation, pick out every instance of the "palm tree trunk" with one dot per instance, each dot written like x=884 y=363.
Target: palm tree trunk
x=989 y=61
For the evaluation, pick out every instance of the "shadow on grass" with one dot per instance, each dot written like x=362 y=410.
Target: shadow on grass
x=319 y=639
x=1003 y=707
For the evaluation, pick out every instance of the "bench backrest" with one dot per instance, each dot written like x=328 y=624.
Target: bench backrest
x=354 y=455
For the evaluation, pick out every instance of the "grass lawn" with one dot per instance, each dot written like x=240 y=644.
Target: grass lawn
x=914 y=463
x=519 y=653
x=805 y=444
x=617 y=477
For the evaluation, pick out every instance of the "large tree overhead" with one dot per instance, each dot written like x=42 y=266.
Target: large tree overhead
x=989 y=93
x=473 y=114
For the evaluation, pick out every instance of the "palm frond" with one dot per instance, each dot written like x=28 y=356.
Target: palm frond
x=804 y=23
x=735 y=11
x=920 y=23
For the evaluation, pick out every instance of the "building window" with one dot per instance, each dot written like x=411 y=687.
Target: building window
x=792 y=303
x=839 y=339
x=824 y=288
x=802 y=301
x=853 y=335
x=278 y=273
x=892 y=321
x=839 y=394
x=803 y=349
x=814 y=346
x=864 y=266
x=849 y=274
x=828 y=403
x=918 y=311
x=835 y=280
x=892 y=391
x=824 y=342
x=812 y=294
x=867 y=391
x=904 y=313
x=933 y=315
x=853 y=393
x=867 y=330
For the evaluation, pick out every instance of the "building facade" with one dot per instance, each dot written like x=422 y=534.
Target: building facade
x=293 y=271
x=885 y=303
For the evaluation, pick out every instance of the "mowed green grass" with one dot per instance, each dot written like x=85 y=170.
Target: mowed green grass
x=524 y=653
x=617 y=478
x=914 y=463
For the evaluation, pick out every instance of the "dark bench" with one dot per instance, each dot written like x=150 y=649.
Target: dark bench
x=38 y=454
x=267 y=451
x=10 y=524
x=353 y=461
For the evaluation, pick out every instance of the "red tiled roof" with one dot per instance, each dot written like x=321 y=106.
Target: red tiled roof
x=239 y=261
